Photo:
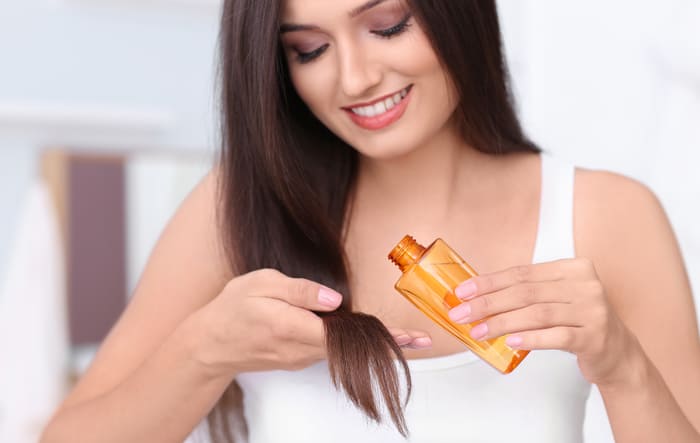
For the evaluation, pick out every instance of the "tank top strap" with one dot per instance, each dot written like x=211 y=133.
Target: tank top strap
x=555 y=232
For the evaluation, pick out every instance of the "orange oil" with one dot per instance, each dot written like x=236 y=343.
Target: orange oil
x=429 y=278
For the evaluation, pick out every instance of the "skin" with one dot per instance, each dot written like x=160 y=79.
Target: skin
x=633 y=330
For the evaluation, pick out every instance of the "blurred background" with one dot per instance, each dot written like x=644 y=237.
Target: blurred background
x=107 y=120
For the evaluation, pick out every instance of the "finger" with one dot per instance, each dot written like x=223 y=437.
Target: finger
x=406 y=337
x=560 y=338
x=313 y=353
x=413 y=333
x=548 y=271
x=299 y=292
x=299 y=326
x=420 y=343
x=511 y=298
x=534 y=317
x=298 y=356
x=401 y=337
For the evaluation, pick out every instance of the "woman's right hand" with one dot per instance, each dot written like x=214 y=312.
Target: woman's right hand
x=263 y=320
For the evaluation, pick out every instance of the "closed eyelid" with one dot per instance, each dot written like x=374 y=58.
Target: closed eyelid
x=305 y=46
x=387 y=23
x=389 y=20
x=303 y=40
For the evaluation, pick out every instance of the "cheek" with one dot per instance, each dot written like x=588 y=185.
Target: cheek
x=436 y=94
x=423 y=60
x=311 y=86
x=424 y=67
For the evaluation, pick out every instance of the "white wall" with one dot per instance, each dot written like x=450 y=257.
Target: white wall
x=100 y=74
x=616 y=85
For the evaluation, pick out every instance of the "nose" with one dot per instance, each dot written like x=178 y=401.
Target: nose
x=358 y=71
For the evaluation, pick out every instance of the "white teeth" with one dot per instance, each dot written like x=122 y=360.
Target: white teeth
x=382 y=106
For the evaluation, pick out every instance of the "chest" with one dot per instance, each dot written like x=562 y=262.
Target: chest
x=488 y=244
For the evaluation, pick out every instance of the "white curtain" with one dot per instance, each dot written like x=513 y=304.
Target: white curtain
x=34 y=348
x=156 y=184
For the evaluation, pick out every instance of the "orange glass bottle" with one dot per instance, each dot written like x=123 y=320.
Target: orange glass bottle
x=430 y=276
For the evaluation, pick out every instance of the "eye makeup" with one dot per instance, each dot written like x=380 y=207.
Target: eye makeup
x=304 y=56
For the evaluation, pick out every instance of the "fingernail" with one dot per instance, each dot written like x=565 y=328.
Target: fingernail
x=479 y=331
x=423 y=342
x=403 y=339
x=328 y=297
x=461 y=313
x=514 y=340
x=466 y=289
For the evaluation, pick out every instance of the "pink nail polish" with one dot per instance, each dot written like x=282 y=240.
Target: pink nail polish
x=329 y=297
x=479 y=331
x=423 y=342
x=403 y=339
x=461 y=313
x=466 y=290
x=514 y=340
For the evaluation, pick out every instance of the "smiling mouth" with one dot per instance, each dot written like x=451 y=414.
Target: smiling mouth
x=380 y=106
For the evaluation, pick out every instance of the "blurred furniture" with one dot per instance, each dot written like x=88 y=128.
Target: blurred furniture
x=88 y=193
x=111 y=208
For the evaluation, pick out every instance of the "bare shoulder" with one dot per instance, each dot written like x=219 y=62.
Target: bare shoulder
x=621 y=225
x=185 y=270
x=618 y=216
x=615 y=208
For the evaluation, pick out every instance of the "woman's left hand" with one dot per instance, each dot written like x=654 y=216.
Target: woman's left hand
x=555 y=305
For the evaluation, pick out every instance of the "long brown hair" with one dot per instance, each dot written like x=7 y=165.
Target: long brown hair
x=286 y=180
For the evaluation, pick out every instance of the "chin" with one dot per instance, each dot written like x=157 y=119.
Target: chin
x=385 y=151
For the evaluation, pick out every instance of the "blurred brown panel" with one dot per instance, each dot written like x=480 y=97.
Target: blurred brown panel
x=54 y=171
x=96 y=246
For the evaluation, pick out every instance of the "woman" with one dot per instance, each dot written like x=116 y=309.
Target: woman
x=348 y=124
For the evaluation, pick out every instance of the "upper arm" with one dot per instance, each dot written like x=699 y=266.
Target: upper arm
x=185 y=270
x=622 y=227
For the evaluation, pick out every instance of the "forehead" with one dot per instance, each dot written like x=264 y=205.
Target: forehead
x=308 y=10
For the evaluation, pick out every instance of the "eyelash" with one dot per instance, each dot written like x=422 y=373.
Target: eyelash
x=394 y=31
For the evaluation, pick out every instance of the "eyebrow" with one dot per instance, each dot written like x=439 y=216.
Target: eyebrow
x=291 y=27
x=362 y=8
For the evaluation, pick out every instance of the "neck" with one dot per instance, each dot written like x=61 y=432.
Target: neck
x=433 y=176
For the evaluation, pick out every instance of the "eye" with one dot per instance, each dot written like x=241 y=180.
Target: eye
x=306 y=57
x=399 y=28
x=396 y=29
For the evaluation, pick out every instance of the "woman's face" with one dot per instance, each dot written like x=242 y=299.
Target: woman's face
x=368 y=72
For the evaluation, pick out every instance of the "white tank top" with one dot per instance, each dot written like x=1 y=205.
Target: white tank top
x=455 y=398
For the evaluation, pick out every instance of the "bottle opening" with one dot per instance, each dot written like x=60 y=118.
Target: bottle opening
x=406 y=252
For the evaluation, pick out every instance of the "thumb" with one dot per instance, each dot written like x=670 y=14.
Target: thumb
x=310 y=295
x=328 y=299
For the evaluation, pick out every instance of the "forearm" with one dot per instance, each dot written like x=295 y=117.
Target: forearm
x=162 y=401
x=643 y=409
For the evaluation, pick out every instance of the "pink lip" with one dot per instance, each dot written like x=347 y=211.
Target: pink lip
x=383 y=120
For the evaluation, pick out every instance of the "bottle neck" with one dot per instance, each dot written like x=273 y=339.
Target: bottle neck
x=406 y=253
